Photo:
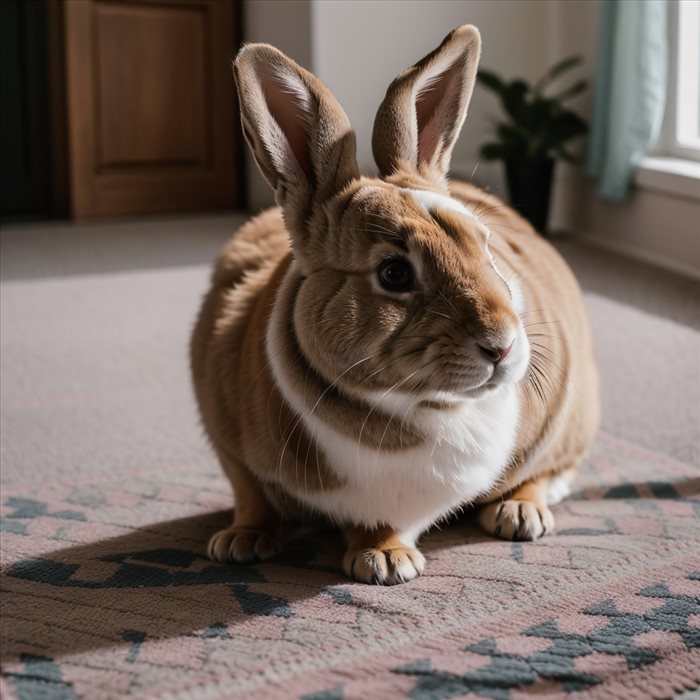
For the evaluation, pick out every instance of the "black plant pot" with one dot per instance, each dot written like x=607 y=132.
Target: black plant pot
x=530 y=187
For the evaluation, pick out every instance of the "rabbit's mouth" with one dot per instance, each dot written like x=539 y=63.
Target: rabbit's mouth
x=486 y=388
x=454 y=397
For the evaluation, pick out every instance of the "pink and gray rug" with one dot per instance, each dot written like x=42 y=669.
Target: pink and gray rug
x=106 y=591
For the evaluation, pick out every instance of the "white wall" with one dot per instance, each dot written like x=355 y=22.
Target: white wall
x=652 y=225
x=576 y=24
x=358 y=46
x=657 y=226
x=285 y=24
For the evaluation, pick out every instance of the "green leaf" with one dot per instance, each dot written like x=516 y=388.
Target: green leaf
x=512 y=135
x=567 y=156
x=513 y=99
x=556 y=70
x=535 y=126
x=491 y=81
x=493 y=151
x=572 y=91
x=566 y=127
x=540 y=113
x=571 y=121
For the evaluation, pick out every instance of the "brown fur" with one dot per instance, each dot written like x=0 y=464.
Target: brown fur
x=313 y=261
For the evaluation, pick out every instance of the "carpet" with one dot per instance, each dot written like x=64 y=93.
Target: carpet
x=109 y=493
x=106 y=591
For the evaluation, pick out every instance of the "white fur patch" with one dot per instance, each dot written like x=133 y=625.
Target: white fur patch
x=517 y=297
x=433 y=200
x=466 y=451
x=559 y=488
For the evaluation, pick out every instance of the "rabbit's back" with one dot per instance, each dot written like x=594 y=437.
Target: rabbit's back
x=240 y=280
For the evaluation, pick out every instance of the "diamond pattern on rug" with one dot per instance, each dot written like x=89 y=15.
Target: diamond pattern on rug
x=570 y=659
x=106 y=591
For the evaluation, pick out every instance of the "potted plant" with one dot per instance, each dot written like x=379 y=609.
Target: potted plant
x=535 y=133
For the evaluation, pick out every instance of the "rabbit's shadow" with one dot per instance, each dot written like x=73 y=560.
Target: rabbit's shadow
x=156 y=582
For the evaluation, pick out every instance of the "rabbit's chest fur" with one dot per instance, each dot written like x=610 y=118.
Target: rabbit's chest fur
x=465 y=451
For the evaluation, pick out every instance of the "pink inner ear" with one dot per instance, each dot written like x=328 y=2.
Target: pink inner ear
x=437 y=108
x=288 y=107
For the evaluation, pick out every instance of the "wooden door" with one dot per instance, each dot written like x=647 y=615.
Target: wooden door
x=150 y=106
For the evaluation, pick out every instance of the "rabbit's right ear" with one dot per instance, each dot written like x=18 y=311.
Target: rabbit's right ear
x=299 y=134
x=420 y=118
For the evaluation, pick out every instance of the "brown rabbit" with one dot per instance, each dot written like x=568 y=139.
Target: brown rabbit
x=385 y=351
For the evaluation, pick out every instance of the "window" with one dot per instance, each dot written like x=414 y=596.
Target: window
x=688 y=76
x=680 y=132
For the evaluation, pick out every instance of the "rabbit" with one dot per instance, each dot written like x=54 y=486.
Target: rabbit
x=383 y=352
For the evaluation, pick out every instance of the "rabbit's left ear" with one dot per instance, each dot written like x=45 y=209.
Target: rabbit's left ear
x=422 y=114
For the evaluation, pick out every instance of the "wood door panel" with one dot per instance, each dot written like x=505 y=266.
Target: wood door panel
x=161 y=84
x=150 y=105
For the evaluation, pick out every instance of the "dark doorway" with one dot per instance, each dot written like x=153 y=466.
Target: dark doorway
x=25 y=133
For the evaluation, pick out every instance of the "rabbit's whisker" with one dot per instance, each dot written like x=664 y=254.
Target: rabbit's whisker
x=318 y=401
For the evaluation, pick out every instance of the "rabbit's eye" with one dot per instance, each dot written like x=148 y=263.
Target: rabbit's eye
x=396 y=275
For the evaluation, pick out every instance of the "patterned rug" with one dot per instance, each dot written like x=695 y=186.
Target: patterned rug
x=106 y=591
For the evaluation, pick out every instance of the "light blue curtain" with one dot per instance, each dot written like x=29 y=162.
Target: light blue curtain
x=630 y=91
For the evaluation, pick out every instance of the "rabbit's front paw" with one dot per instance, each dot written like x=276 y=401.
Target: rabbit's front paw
x=384 y=566
x=516 y=520
x=239 y=545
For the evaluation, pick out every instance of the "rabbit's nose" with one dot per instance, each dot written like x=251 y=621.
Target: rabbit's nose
x=495 y=354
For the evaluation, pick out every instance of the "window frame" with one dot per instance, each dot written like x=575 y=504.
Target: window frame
x=670 y=140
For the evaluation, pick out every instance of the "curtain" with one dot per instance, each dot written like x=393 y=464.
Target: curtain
x=630 y=91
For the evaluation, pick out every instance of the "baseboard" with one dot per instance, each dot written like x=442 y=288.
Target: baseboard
x=656 y=227
x=649 y=257
x=633 y=228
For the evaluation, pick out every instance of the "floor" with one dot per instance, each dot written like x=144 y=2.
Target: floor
x=109 y=495
x=97 y=317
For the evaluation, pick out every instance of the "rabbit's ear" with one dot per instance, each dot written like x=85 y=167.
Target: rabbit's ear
x=420 y=118
x=299 y=134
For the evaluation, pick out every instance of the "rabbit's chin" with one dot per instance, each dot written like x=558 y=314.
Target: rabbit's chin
x=455 y=396
x=498 y=380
